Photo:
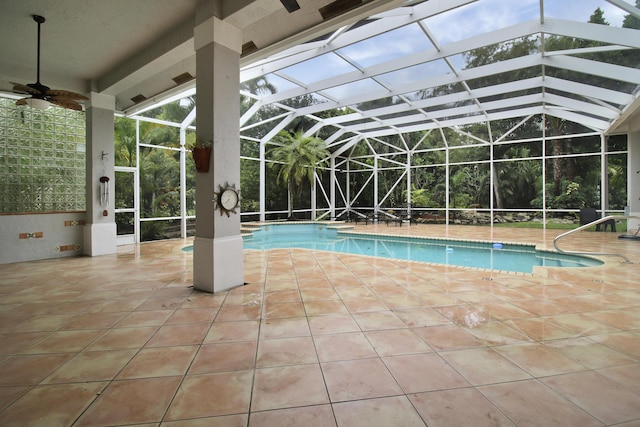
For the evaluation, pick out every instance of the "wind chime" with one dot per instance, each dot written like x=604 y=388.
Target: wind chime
x=104 y=194
x=104 y=188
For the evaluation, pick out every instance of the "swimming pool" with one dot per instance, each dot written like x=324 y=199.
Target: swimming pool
x=494 y=256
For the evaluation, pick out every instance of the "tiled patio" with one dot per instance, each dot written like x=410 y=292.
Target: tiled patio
x=322 y=339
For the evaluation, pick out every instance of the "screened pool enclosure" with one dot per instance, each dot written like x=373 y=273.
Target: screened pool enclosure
x=456 y=111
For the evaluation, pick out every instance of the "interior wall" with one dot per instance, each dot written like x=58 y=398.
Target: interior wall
x=29 y=237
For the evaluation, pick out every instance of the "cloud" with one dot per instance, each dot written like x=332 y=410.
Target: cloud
x=461 y=23
x=481 y=17
x=581 y=10
x=384 y=47
x=318 y=68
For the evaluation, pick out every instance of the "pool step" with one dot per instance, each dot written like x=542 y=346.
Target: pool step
x=340 y=227
x=248 y=230
x=249 y=227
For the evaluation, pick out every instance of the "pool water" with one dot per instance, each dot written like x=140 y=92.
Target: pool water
x=495 y=256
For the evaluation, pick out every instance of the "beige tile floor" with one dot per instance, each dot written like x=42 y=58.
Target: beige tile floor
x=322 y=339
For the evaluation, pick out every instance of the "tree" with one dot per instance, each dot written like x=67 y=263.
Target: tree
x=631 y=57
x=257 y=86
x=297 y=157
x=556 y=126
x=125 y=142
x=597 y=17
x=159 y=166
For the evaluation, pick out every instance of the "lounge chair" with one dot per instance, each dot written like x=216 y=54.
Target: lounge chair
x=635 y=236
x=588 y=215
x=394 y=220
x=358 y=217
x=407 y=217
x=372 y=218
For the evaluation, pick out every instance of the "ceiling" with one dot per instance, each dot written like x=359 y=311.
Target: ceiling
x=134 y=49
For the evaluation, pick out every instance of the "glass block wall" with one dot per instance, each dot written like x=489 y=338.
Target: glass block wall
x=42 y=159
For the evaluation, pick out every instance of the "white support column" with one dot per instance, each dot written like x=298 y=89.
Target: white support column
x=332 y=187
x=375 y=184
x=492 y=171
x=604 y=179
x=314 y=194
x=633 y=177
x=183 y=186
x=447 y=186
x=263 y=181
x=137 y=187
x=100 y=229
x=217 y=256
x=544 y=172
x=408 y=170
x=183 y=171
x=347 y=185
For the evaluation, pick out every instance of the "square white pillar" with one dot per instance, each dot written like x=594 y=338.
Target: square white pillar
x=217 y=249
x=100 y=235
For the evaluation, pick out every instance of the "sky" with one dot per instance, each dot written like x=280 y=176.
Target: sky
x=458 y=24
x=580 y=10
x=489 y=15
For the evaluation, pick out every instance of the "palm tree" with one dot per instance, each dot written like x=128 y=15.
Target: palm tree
x=125 y=141
x=297 y=157
x=259 y=86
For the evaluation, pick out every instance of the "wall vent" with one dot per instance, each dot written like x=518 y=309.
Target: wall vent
x=249 y=47
x=290 y=5
x=182 y=78
x=338 y=7
x=138 y=98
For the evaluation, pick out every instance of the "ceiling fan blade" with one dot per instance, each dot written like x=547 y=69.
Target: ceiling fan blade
x=66 y=103
x=20 y=88
x=66 y=94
